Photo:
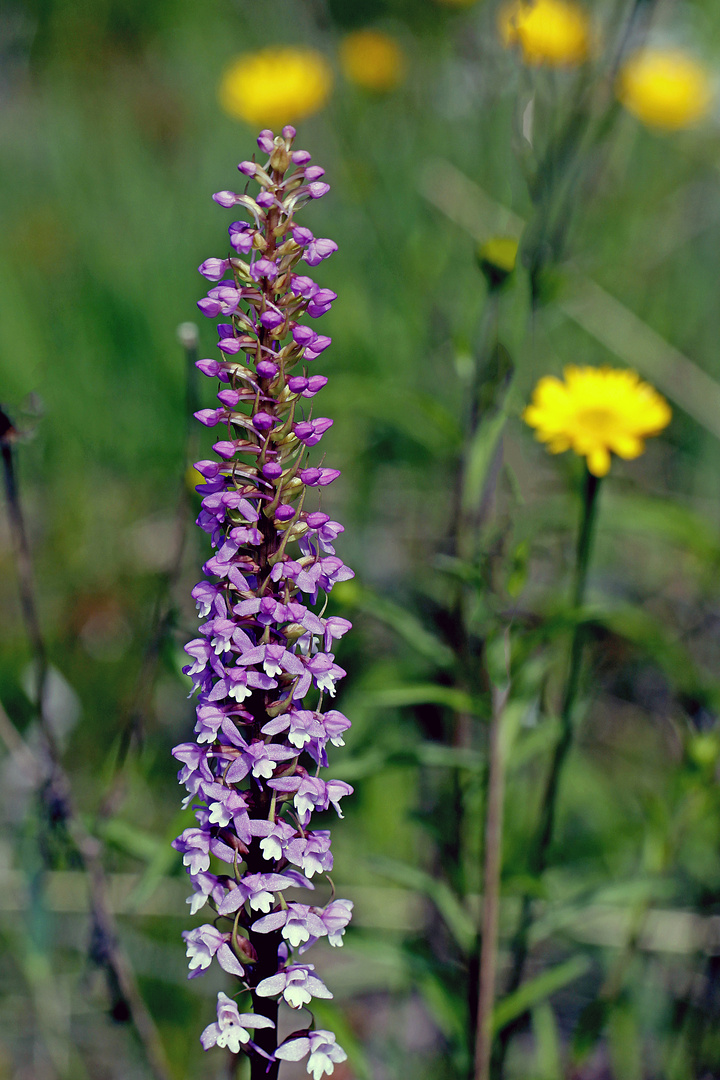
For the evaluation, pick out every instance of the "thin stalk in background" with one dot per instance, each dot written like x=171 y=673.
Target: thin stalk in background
x=466 y=510
x=491 y=878
x=553 y=187
x=54 y=791
x=478 y=472
x=548 y=810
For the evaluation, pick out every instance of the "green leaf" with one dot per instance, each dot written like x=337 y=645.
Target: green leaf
x=424 y=753
x=645 y=631
x=374 y=962
x=452 y=757
x=533 y=742
x=589 y=1028
x=159 y=865
x=457 y=919
x=460 y=569
x=670 y=521
x=547 y=1042
x=362 y=765
x=537 y=990
x=480 y=456
x=626 y=1052
x=395 y=697
x=18 y=325
x=329 y=1015
x=422 y=418
x=448 y=1010
x=130 y=839
x=408 y=627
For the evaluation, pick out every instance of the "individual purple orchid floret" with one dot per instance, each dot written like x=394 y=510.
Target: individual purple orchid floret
x=263 y=665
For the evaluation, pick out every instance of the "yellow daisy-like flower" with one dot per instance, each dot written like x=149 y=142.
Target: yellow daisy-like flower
x=665 y=88
x=596 y=412
x=275 y=86
x=372 y=60
x=552 y=32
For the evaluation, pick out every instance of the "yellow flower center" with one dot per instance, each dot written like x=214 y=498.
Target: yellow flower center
x=372 y=60
x=665 y=88
x=275 y=86
x=553 y=32
x=596 y=421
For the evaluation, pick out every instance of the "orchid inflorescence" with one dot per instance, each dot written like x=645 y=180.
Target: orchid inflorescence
x=263 y=664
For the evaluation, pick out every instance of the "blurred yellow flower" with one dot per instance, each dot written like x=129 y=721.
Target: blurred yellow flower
x=596 y=411
x=665 y=88
x=553 y=32
x=373 y=60
x=501 y=251
x=497 y=258
x=276 y=85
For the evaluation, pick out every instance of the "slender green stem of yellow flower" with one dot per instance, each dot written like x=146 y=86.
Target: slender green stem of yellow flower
x=548 y=811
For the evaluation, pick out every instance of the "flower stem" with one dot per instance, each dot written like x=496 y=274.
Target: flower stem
x=548 y=811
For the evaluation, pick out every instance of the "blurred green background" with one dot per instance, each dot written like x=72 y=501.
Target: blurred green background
x=112 y=141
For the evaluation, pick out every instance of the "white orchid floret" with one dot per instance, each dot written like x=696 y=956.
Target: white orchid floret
x=297 y=984
x=324 y=1052
x=231 y=1028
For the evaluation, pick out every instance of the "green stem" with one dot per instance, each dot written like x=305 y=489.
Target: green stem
x=491 y=882
x=462 y=529
x=584 y=550
x=548 y=812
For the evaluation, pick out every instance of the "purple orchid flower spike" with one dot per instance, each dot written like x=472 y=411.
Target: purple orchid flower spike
x=263 y=663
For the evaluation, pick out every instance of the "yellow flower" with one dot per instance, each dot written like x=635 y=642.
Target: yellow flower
x=665 y=88
x=497 y=258
x=372 y=60
x=553 y=32
x=275 y=86
x=596 y=411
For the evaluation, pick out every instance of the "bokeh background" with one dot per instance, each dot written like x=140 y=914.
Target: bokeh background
x=112 y=141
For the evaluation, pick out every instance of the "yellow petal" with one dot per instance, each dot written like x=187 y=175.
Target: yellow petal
x=598 y=461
